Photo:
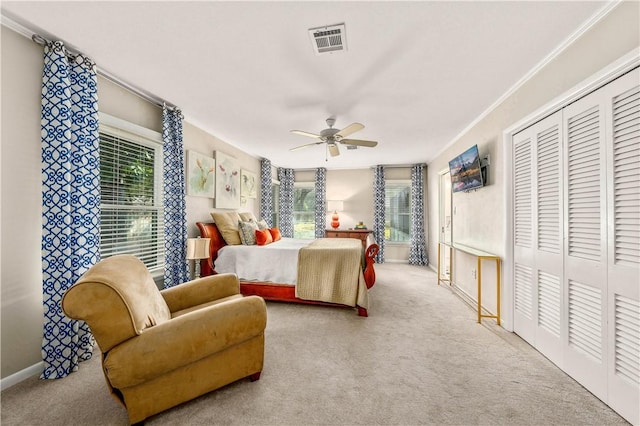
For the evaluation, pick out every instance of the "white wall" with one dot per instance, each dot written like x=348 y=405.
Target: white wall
x=20 y=230
x=479 y=217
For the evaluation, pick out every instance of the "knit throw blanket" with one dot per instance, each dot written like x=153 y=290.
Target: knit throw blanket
x=330 y=270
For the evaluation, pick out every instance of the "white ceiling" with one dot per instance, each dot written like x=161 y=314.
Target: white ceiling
x=416 y=74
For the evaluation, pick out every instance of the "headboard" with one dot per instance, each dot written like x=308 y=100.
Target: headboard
x=210 y=230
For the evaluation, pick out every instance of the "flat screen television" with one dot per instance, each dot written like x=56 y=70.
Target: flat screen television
x=465 y=170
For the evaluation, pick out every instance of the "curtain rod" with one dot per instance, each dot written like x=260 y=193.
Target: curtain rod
x=386 y=166
x=35 y=34
x=397 y=166
x=308 y=169
x=149 y=97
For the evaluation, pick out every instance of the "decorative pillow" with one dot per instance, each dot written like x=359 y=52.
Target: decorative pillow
x=228 y=226
x=263 y=237
x=275 y=234
x=248 y=232
x=262 y=224
x=247 y=216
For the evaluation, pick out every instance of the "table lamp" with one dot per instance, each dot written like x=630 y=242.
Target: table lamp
x=335 y=205
x=197 y=249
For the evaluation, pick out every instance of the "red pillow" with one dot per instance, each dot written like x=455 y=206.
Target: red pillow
x=275 y=234
x=263 y=237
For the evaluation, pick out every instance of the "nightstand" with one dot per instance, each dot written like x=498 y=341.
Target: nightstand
x=359 y=234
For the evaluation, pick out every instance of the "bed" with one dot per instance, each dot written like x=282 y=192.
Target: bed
x=314 y=279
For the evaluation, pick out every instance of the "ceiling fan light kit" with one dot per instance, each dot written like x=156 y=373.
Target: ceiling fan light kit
x=332 y=137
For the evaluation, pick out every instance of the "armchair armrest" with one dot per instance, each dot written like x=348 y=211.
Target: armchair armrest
x=185 y=339
x=200 y=291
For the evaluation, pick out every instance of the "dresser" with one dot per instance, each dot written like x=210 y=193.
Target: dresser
x=360 y=234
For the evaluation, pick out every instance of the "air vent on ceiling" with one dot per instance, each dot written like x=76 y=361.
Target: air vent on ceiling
x=351 y=146
x=327 y=39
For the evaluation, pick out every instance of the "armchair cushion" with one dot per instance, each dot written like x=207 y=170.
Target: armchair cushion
x=204 y=305
x=121 y=290
x=200 y=291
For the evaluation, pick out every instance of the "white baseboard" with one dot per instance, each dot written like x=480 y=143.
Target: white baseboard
x=21 y=375
x=470 y=300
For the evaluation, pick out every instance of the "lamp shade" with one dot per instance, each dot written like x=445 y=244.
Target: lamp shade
x=335 y=205
x=197 y=248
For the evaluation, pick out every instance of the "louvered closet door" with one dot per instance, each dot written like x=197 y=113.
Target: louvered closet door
x=623 y=178
x=585 y=284
x=538 y=242
x=548 y=239
x=525 y=315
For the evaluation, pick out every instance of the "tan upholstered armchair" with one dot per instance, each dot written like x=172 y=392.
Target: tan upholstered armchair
x=162 y=348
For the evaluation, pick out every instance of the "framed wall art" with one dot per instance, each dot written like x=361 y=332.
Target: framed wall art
x=248 y=184
x=201 y=175
x=227 y=181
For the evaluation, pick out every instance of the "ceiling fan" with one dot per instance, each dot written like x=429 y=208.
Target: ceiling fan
x=332 y=137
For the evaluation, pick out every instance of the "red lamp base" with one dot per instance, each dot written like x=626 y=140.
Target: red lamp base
x=335 y=222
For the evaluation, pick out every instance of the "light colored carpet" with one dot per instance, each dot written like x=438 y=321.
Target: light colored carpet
x=420 y=358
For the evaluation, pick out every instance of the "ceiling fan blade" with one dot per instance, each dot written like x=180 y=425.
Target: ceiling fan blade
x=351 y=128
x=305 y=145
x=303 y=133
x=359 y=142
x=333 y=149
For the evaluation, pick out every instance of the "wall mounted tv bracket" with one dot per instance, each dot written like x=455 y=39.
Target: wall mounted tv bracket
x=484 y=165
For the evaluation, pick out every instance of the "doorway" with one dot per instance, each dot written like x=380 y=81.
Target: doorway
x=445 y=224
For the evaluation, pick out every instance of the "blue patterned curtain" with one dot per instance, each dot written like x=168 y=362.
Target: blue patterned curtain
x=266 y=205
x=378 y=210
x=70 y=200
x=286 y=178
x=175 y=223
x=417 y=251
x=321 y=201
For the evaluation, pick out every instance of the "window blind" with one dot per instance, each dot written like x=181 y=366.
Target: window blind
x=398 y=211
x=131 y=203
x=304 y=205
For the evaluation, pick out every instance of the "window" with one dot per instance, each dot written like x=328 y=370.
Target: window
x=397 y=227
x=304 y=207
x=131 y=219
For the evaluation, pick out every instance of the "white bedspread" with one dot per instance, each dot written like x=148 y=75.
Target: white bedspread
x=276 y=262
